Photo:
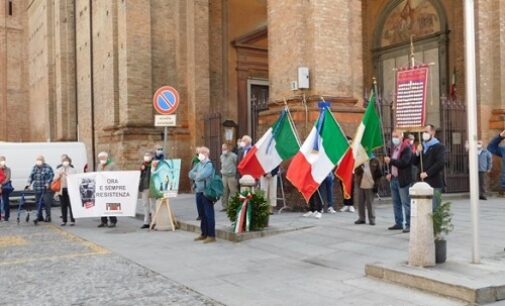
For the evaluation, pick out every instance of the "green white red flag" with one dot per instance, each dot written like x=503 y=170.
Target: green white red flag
x=368 y=138
x=279 y=143
x=321 y=151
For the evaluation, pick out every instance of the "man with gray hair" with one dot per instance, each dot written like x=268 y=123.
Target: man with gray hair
x=245 y=146
x=228 y=174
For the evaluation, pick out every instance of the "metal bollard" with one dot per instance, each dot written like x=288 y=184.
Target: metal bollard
x=422 y=241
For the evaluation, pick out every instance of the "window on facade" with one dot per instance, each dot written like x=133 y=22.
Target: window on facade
x=10 y=7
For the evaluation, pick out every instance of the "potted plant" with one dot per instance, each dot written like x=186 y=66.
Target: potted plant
x=442 y=225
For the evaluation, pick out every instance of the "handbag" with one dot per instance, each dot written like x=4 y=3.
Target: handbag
x=214 y=189
x=56 y=185
x=7 y=187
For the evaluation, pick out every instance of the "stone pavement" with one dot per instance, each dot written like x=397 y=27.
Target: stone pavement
x=45 y=265
x=323 y=264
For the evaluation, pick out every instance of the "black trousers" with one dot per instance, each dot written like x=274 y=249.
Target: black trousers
x=113 y=220
x=65 y=206
x=315 y=202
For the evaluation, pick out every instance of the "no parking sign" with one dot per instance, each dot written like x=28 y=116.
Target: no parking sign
x=166 y=100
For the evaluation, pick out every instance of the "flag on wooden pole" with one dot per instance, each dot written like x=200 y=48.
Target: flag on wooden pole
x=368 y=138
x=321 y=151
x=279 y=143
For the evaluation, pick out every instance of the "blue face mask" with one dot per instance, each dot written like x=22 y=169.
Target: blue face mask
x=396 y=141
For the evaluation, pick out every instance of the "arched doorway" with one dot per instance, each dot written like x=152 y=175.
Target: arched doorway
x=426 y=22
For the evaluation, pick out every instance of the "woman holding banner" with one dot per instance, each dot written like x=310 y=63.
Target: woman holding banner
x=61 y=174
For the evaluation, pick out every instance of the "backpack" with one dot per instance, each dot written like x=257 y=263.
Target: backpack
x=214 y=188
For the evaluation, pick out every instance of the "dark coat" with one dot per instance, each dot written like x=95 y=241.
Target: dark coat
x=499 y=150
x=433 y=165
x=404 y=165
x=145 y=176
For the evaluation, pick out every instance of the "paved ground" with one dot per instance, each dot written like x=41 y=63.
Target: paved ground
x=321 y=265
x=44 y=265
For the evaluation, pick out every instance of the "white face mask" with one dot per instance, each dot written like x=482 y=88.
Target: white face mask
x=479 y=147
x=396 y=141
x=65 y=164
x=225 y=152
x=147 y=159
x=411 y=142
x=201 y=157
x=2 y=163
x=103 y=161
x=243 y=144
x=39 y=163
x=426 y=136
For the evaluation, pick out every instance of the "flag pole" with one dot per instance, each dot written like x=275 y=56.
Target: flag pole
x=471 y=102
x=384 y=149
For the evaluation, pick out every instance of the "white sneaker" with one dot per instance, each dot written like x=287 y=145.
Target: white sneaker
x=331 y=210
x=344 y=209
x=351 y=209
x=317 y=215
x=308 y=214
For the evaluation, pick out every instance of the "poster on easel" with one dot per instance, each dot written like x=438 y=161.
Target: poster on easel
x=411 y=87
x=165 y=175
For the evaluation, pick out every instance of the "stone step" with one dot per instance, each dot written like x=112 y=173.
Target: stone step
x=477 y=284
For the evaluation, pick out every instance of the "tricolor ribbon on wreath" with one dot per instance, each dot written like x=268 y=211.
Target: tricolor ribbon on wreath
x=244 y=213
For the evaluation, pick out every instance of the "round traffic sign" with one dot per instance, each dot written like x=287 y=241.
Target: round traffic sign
x=166 y=100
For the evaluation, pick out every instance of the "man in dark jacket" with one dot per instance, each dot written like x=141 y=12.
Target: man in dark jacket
x=144 y=189
x=430 y=158
x=499 y=150
x=400 y=179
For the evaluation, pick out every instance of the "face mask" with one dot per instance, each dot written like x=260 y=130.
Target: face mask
x=426 y=136
x=225 y=152
x=159 y=152
x=411 y=142
x=103 y=162
x=147 y=159
x=65 y=164
x=2 y=163
x=479 y=146
x=243 y=144
x=39 y=163
x=396 y=141
x=201 y=157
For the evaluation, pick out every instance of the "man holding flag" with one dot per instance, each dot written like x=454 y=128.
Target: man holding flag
x=368 y=138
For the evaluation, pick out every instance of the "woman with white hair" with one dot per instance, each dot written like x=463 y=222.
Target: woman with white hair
x=106 y=164
x=62 y=172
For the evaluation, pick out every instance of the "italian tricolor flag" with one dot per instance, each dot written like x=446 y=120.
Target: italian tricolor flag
x=368 y=138
x=321 y=151
x=279 y=143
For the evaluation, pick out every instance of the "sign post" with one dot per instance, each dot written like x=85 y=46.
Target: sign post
x=165 y=102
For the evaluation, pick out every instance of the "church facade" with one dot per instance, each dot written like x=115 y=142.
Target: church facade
x=86 y=70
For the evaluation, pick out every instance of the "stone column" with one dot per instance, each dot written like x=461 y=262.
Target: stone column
x=326 y=37
x=422 y=240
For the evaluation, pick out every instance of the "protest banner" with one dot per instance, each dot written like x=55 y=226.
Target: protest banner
x=98 y=194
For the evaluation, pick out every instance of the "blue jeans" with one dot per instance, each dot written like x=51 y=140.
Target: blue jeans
x=401 y=198
x=46 y=202
x=206 y=213
x=5 y=205
x=328 y=184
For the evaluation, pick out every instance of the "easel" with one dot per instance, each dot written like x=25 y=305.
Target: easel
x=171 y=215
